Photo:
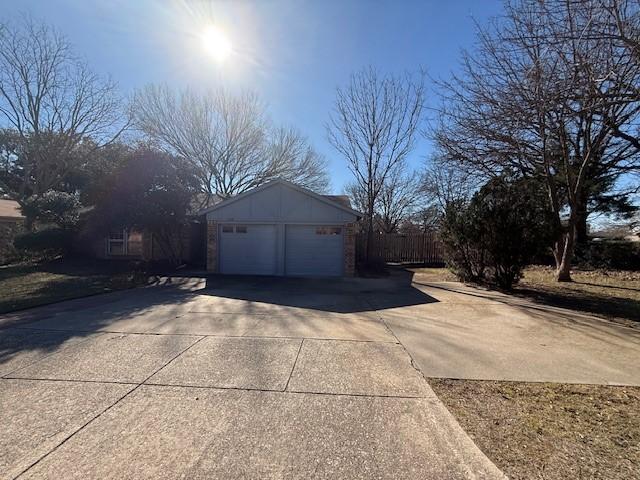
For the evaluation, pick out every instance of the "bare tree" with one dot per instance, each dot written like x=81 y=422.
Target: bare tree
x=444 y=183
x=534 y=99
x=373 y=126
x=398 y=200
x=357 y=196
x=228 y=139
x=53 y=103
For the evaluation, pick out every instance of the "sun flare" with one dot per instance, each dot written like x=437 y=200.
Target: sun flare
x=216 y=43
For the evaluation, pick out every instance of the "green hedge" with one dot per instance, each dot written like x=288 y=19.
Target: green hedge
x=50 y=241
x=613 y=254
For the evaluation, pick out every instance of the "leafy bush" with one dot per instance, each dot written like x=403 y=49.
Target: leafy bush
x=150 y=191
x=51 y=241
x=53 y=207
x=494 y=236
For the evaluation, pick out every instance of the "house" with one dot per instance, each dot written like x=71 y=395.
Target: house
x=11 y=221
x=133 y=244
x=281 y=229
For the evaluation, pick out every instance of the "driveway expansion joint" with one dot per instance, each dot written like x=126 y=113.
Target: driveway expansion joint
x=294 y=365
x=83 y=426
x=412 y=361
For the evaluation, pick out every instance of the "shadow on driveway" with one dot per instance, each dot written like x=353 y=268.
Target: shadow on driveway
x=37 y=332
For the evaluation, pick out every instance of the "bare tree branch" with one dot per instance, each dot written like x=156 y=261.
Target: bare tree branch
x=228 y=139
x=373 y=126
x=54 y=103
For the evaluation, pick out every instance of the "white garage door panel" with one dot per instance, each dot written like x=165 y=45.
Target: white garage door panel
x=314 y=250
x=248 y=249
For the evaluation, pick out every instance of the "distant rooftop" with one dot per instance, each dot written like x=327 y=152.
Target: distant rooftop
x=10 y=210
x=341 y=199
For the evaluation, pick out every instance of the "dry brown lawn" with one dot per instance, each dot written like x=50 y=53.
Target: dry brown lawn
x=550 y=431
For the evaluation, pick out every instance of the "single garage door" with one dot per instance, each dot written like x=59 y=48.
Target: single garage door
x=248 y=249
x=314 y=250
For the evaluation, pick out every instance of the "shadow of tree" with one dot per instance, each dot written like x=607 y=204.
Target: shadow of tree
x=607 y=306
x=283 y=302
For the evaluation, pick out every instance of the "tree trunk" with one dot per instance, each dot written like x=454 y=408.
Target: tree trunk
x=582 y=231
x=563 y=254
x=369 y=231
x=369 y=239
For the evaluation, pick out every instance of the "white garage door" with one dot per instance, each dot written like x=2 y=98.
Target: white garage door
x=314 y=250
x=248 y=249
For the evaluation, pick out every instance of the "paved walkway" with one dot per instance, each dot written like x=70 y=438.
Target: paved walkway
x=243 y=379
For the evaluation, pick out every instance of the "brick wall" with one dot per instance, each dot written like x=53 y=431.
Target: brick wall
x=349 y=250
x=212 y=246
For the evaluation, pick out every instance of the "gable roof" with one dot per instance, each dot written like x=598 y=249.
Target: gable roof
x=336 y=201
x=10 y=210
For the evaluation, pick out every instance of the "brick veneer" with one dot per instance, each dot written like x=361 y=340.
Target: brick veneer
x=212 y=246
x=349 y=250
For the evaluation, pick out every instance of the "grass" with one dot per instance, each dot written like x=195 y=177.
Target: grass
x=550 y=431
x=29 y=285
x=613 y=294
x=432 y=274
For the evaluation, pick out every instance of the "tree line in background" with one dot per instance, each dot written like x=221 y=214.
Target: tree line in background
x=535 y=134
x=71 y=144
x=544 y=112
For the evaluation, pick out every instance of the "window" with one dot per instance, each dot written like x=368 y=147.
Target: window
x=328 y=230
x=117 y=242
x=230 y=228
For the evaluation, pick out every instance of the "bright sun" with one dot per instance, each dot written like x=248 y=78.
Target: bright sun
x=216 y=43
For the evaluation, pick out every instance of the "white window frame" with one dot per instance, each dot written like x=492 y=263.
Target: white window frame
x=124 y=241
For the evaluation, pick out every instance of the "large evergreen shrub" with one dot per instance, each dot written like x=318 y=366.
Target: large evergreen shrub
x=494 y=236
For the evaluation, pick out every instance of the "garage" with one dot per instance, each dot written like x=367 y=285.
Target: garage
x=248 y=249
x=314 y=250
x=282 y=229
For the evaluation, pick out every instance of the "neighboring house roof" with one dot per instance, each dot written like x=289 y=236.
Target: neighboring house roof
x=617 y=232
x=201 y=201
x=10 y=211
x=337 y=201
x=342 y=199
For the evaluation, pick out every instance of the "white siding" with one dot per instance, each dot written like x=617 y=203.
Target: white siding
x=280 y=203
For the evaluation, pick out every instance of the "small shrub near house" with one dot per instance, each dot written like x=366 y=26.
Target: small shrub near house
x=46 y=243
x=491 y=238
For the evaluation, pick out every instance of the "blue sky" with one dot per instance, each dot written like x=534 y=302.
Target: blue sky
x=293 y=53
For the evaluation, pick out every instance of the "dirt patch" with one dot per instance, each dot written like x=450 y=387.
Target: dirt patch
x=550 y=431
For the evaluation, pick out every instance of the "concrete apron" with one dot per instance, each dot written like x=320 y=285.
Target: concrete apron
x=314 y=395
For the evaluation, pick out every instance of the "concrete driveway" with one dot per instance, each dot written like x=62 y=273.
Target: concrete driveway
x=246 y=378
x=277 y=378
x=471 y=333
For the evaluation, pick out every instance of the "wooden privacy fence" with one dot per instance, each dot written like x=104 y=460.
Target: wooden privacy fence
x=402 y=248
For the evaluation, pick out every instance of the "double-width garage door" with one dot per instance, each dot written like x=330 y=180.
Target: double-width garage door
x=313 y=250
x=294 y=250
